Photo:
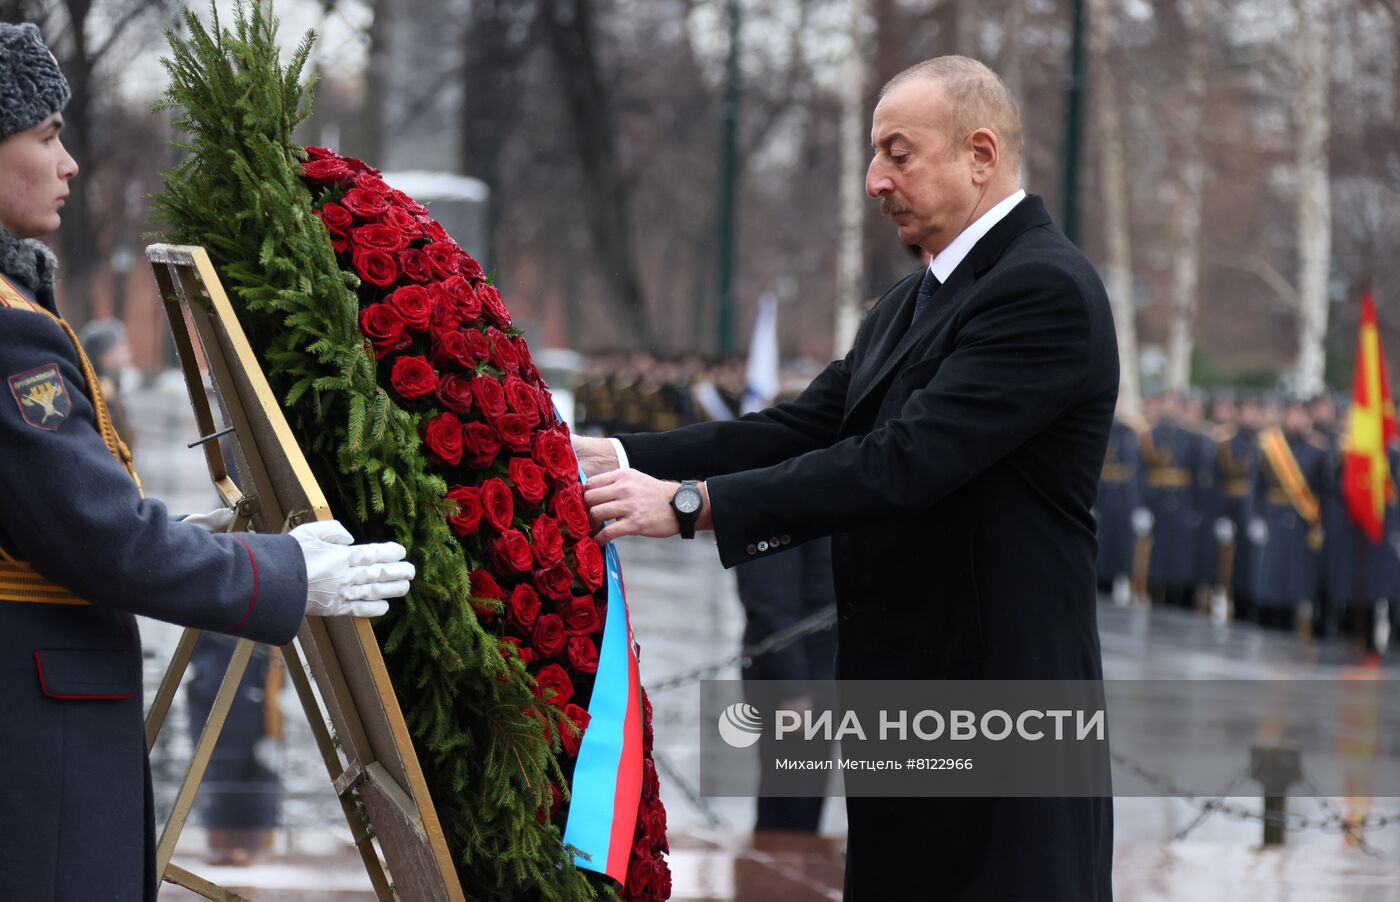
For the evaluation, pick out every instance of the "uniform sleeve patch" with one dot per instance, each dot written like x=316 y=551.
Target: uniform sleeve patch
x=42 y=397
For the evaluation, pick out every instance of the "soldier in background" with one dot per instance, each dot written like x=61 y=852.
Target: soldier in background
x=1170 y=455
x=1237 y=462
x=1206 y=501
x=104 y=341
x=1287 y=525
x=1120 y=495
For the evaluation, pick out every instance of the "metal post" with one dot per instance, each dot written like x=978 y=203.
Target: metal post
x=728 y=185
x=1275 y=766
x=1074 y=92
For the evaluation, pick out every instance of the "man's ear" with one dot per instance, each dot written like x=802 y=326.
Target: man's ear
x=986 y=154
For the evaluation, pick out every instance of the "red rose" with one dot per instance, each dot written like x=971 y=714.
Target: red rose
x=413 y=377
x=492 y=307
x=579 y=718
x=401 y=219
x=528 y=479
x=337 y=219
x=450 y=349
x=557 y=800
x=548 y=415
x=503 y=355
x=415 y=305
x=583 y=654
x=662 y=877
x=651 y=786
x=432 y=229
x=499 y=503
x=484 y=586
x=467 y=266
x=365 y=174
x=365 y=203
x=383 y=326
x=445 y=318
x=527 y=363
x=490 y=398
x=463 y=297
x=380 y=236
x=325 y=170
x=519 y=395
x=443 y=255
x=588 y=564
x=514 y=430
x=548 y=635
x=552 y=678
x=482 y=444
x=654 y=818
x=546 y=542
x=468 y=517
x=339 y=244
x=415 y=265
x=511 y=551
x=443 y=437
x=454 y=393
x=477 y=344
x=411 y=208
x=580 y=616
x=568 y=508
x=375 y=267
x=524 y=606
x=554 y=583
x=554 y=452
x=321 y=153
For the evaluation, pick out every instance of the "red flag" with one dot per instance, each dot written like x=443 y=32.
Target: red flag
x=1366 y=483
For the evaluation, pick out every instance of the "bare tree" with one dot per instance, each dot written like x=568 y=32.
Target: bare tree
x=1186 y=236
x=571 y=36
x=1114 y=190
x=1314 y=201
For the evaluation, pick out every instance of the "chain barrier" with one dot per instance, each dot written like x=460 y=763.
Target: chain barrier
x=807 y=626
x=1333 y=819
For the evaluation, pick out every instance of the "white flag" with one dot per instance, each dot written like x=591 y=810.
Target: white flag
x=761 y=378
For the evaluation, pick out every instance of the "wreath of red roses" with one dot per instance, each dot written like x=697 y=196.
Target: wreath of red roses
x=446 y=347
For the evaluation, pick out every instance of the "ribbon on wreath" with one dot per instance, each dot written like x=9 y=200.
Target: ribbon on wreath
x=606 y=790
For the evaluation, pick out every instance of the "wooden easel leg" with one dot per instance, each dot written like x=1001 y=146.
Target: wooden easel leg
x=203 y=751
x=296 y=670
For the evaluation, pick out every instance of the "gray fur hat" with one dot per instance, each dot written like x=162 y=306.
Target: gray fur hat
x=31 y=86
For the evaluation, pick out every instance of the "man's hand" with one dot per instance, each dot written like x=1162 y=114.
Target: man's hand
x=637 y=504
x=596 y=455
x=214 y=521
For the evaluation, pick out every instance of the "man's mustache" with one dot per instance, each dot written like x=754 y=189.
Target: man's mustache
x=889 y=206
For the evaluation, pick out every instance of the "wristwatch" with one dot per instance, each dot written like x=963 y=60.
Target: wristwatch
x=686 y=502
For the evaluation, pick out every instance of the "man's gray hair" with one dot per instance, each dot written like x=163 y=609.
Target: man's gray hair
x=977 y=98
x=31 y=87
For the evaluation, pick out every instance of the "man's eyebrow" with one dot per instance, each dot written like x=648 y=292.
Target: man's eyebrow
x=889 y=139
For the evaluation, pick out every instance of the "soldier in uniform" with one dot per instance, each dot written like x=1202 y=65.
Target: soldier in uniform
x=1120 y=494
x=1287 y=525
x=81 y=552
x=1237 y=460
x=1170 y=455
x=1207 y=502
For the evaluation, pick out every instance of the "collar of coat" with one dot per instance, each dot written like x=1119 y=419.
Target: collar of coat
x=27 y=261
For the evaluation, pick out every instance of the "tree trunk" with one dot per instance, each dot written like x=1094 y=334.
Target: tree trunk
x=849 y=275
x=569 y=24
x=1186 y=250
x=1314 y=200
x=78 y=244
x=1119 y=268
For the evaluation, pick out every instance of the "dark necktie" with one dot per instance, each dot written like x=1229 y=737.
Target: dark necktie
x=927 y=287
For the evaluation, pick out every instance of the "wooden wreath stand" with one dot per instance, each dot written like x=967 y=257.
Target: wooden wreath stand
x=371 y=761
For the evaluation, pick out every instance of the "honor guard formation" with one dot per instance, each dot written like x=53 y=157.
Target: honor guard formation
x=1239 y=514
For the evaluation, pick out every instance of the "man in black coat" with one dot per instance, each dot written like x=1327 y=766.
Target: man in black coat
x=953 y=456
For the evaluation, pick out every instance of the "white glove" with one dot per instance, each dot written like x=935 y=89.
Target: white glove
x=1142 y=522
x=343 y=578
x=214 y=521
x=1224 y=530
x=1258 y=531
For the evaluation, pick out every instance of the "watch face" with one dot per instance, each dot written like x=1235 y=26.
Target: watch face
x=687 y=501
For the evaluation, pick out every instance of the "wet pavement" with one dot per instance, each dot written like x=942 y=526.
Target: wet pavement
x=685 y=614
